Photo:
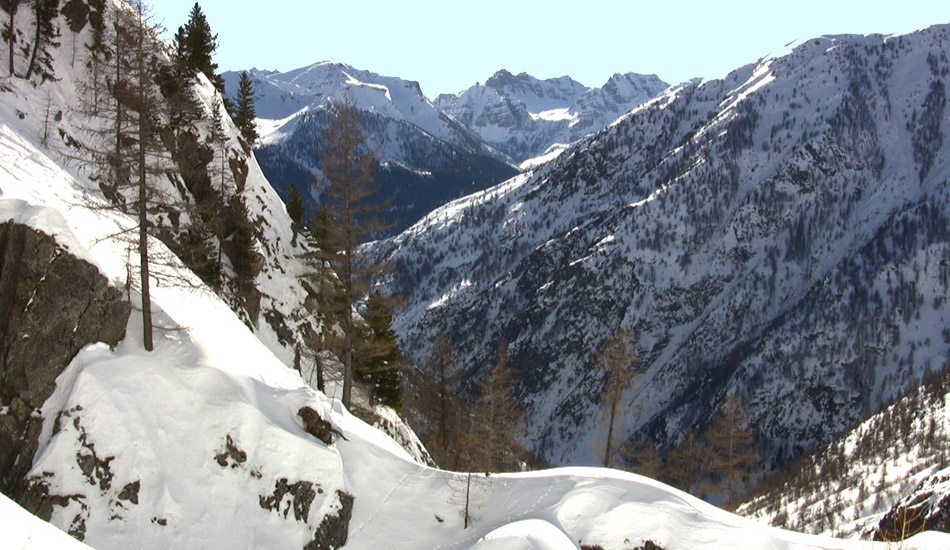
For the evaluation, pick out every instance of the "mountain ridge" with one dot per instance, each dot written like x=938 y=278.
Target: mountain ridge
x=427 y=158
x=723 y=221
x=524 y=116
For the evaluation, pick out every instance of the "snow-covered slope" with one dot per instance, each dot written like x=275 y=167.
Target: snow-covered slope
x=199 y=444
x=281 y=96
x=845 y=488
x=781 y=233
x=524 y=116
x=427 y=158
x=23 y=531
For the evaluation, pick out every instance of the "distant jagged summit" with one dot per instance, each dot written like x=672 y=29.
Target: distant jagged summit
x=524 y=116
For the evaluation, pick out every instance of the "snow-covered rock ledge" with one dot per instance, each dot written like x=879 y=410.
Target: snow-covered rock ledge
x=53 y=301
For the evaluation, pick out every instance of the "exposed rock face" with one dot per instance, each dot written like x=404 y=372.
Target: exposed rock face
x=51 y=305
x=317 y=426
x=926 y=509
x=335 y=529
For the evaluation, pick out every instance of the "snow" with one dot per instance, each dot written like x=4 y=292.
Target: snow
x=524 y=116
x=529 y=534
x=44 y=220
x=271 y=131
x=23 y=531
x=553 y=152
x=350 y=81
x=555 y=115
x=206 y=426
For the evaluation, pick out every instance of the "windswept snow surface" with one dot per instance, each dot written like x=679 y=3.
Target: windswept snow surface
x=22 y=531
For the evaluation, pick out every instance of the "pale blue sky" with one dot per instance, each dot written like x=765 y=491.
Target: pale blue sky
x=448 y=46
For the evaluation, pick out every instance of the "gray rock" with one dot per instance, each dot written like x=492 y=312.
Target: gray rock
x=52 y=304
x=334 y=530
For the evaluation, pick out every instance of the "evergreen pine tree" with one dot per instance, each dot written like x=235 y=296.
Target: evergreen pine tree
x=76 y=13
x=295 y=207
x=322 y=283
x=195 y=45
x=380 y=361
x=244 y=112
x=239 y=242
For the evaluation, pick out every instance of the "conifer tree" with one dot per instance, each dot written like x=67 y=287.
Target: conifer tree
x=137 y=93
x=496 y=419
x=46 y=33
x=295 y=208
x=644 y=456
x=349 y=167
x=217 y=140
x=97 y=22
x=687 y=465
x=438 y=404
x=244 y=111
x=239 y=241
x=619 y=363
x=321 y=281
x=76 y=13
x=132 y=157
x=195 y=45
x=379 y=358
x=734 y=455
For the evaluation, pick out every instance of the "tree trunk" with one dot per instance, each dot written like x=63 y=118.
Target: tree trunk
x=143 y=262
x=348 y=249
x=443 y=411
x=12 y=37
x=36 y=41
x=610 y=433
x=144 y=129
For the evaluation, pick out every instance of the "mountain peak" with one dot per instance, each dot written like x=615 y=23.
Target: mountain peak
x=523 y=116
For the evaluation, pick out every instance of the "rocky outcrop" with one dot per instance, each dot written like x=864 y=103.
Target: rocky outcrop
x=926 y=509
x=334 y=530
x=51 y=305
x=317 y=426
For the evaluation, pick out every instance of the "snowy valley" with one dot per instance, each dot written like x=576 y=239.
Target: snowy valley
x=780 y=234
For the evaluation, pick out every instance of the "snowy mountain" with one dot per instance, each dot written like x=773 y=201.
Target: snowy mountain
x=427 y=158
x=525 y=117
x=210 y=440
x=780 y=234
